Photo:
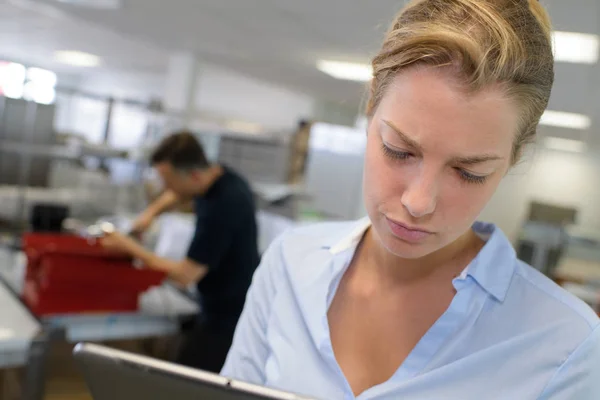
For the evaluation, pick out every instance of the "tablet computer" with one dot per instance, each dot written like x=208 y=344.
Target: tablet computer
x=117 y=375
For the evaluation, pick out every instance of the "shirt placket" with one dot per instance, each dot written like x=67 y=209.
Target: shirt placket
x=339 y=265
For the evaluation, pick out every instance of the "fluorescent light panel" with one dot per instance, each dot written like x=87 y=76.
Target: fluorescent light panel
x=555 y=143
x=346 y=71
x=565 y=120
x=96 y=4
x=573 y=47
x=77 y=58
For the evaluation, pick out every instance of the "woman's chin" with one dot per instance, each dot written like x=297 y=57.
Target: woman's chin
x=408 y=250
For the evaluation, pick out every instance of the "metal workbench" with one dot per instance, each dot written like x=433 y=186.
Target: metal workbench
x=17 y=329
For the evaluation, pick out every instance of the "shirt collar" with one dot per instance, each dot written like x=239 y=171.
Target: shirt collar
x=348 y=238
x=492 y=268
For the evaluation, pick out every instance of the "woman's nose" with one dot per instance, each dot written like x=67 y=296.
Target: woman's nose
x=420 y=196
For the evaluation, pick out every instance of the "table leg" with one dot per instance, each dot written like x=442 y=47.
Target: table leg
x=34 y=380
x=3 y=386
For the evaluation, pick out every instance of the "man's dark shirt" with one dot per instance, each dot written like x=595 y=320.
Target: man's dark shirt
x=226 y=242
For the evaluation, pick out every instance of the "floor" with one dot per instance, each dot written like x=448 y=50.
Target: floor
x=64 y=381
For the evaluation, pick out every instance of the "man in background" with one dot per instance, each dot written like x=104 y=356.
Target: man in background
x=223 y=253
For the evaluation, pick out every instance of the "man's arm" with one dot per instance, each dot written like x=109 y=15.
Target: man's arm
x=184 y=272
x=164 y=202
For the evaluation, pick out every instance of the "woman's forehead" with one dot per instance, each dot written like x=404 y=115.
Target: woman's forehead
x=427 y=106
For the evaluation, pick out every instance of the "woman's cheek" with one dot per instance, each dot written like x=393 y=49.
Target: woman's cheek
x=463 y=204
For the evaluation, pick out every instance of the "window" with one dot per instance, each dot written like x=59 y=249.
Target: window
x=12 y=79
x=34 y=84
x=337 y=139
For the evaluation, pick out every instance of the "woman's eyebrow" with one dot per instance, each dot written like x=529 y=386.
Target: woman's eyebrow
x=471 y=160
x=476 y=159
x=410 y=142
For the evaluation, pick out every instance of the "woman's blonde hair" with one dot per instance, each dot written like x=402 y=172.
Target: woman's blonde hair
x=485 y=42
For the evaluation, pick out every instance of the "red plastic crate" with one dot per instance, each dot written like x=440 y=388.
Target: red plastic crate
x=38 y=244
x=63 y=272
x=47 y=302
x=68 y=274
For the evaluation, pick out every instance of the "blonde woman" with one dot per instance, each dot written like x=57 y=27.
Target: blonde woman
x=419 y=301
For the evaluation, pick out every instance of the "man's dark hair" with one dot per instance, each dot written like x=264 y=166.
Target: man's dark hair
x=182 y=150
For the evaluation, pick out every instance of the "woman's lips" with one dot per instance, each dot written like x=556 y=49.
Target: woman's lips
x=407 y=233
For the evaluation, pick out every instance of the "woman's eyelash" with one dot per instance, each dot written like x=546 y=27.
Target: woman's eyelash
x=470 y=178
x=464 y=175
x=394 y=154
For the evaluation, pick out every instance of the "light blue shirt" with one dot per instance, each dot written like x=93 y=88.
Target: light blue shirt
x=509 y=333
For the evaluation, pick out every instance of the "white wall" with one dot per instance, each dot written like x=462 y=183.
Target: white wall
x=124 y=84
x=225 y=93
x=334 y=170
x=560 y=178
x=336 y=113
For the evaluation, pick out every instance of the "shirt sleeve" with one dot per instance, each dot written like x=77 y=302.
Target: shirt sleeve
x=579 y=376
x=214 y=233
x=248 y=354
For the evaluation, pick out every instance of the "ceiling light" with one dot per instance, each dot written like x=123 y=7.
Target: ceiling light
x=77 y=58
x=573 y=47
x=554 y=143
x=97 y=4
x=565 y=120
x=346 y=71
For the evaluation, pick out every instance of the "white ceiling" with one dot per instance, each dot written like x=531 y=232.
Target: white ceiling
x=275 y=40
x=30 y=32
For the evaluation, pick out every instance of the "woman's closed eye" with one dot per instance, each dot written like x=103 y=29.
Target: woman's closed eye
x=470 y=177
x=464 y=175
x=395 y=154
